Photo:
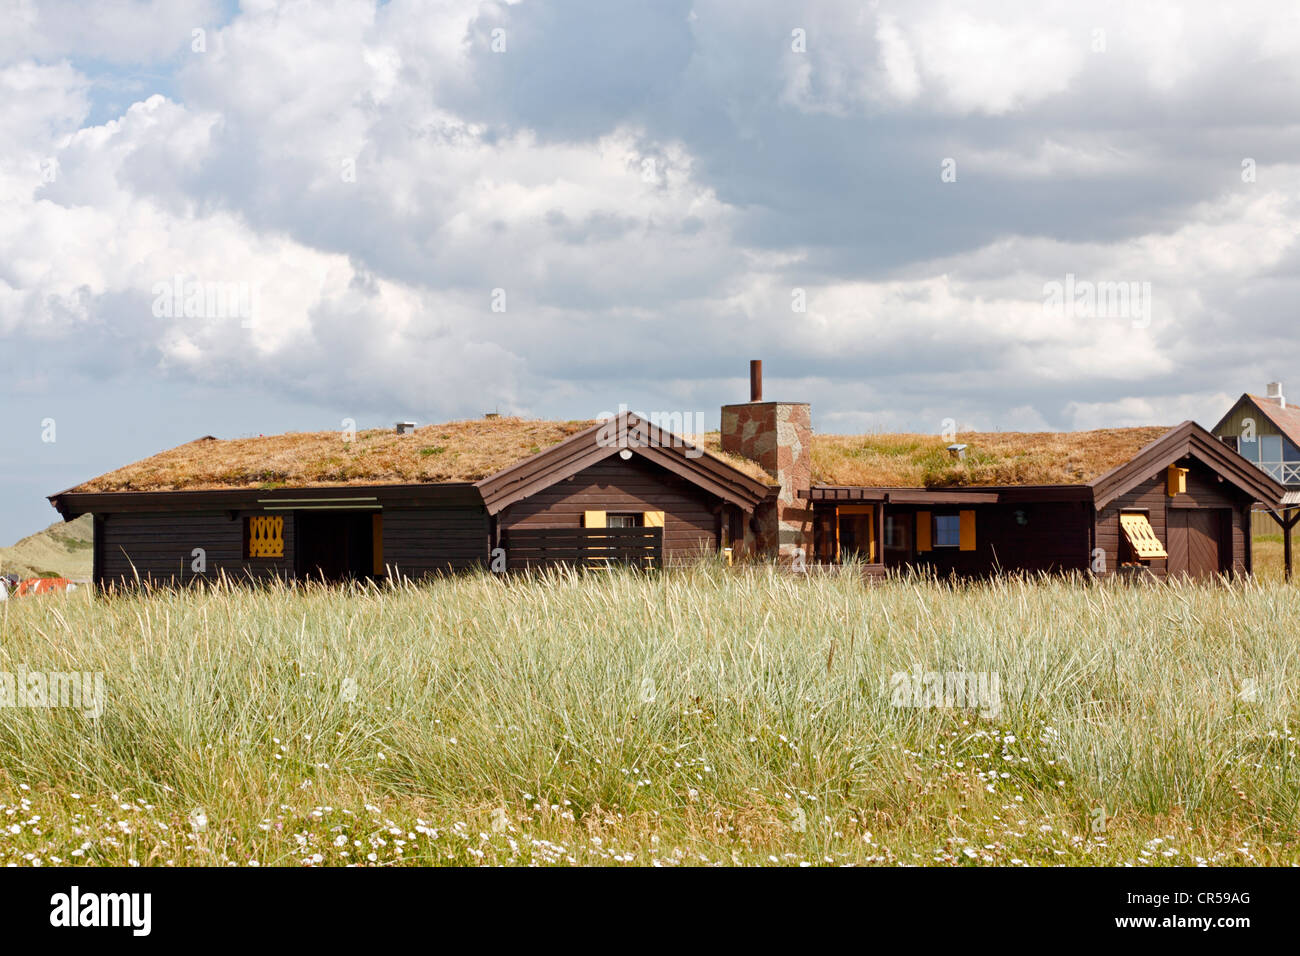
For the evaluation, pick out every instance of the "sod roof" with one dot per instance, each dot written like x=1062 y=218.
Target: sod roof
x=467 y=451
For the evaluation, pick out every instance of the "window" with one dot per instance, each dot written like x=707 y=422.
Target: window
x=1270 y=449
x=623 y=520
x=947 y=531
x=1229 y=440
x=893 y=532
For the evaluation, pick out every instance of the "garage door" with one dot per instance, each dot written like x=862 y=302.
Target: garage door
x=1196 y=541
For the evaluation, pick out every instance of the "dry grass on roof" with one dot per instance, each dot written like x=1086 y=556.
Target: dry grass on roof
x=454 y=451
x=992 y=458
x=711 y=442
x=474 y=449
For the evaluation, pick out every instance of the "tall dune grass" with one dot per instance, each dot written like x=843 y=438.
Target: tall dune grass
x=690 y=716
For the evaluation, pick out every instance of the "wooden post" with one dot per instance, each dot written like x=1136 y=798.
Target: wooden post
x=1286 y=520
x=1292 y=516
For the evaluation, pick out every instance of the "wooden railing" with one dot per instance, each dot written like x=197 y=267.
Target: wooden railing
x=1286 y=472
x=598 y=548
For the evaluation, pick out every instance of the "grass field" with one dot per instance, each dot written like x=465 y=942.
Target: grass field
x=1269 y=563
x=689 y=717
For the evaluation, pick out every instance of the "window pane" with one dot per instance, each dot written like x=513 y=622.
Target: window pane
x=947 y=531
x=1270 y=448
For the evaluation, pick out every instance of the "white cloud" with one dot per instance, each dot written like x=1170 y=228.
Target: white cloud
x=631 y=242
x=979 y=65
x=110 y=31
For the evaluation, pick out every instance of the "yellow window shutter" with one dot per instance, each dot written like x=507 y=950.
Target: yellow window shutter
x=377 y=534
x=1142 y=536
x=923 y=529
x=653 y=519
x=593 y=519
x=967 y=542
x=266 y=536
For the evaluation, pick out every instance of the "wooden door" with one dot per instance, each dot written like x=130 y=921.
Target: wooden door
x=856 y=532
x=1195 y=541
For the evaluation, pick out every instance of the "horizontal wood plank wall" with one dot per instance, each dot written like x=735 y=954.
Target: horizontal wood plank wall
x=1053 y=538
x=1149 y=497
x=159 y=547
x=636 y=485
x=1204 y=490
x=420 y=541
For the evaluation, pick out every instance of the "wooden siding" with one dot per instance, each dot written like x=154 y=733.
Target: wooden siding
x=159 y=547
x=1203 y=491
x=1053 y=538
x=421 y=541
x=1234 y=422
x=691 y=516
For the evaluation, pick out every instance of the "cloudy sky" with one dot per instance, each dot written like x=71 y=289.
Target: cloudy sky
x=430 y=210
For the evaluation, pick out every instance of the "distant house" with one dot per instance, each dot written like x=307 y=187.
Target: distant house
x=506 y=493
x=1266 y=431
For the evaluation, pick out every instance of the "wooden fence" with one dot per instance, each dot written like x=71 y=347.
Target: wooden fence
x=584 y=547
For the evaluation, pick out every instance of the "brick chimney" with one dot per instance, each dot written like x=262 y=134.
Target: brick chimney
x=778 y=436
x=1275 y=394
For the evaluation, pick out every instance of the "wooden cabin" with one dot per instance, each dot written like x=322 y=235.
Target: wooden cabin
x=507 y=494
x=442 y=498
x=1179 y=506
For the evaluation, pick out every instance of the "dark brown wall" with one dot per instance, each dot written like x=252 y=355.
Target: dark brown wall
x=419 y=541
x=1054 y=538
x=690 y=519
x=159 y=546
x=1204 y=490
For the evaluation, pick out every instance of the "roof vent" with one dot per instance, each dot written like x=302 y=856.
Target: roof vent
x=1275 y=393
x=404 y=428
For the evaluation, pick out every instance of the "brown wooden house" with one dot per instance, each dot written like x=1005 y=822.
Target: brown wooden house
x=601 y=494
x=1180 y=506
x=510 y=494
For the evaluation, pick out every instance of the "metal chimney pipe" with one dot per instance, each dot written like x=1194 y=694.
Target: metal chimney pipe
x=755 y=380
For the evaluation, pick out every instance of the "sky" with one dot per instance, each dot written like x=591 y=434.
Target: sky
x=237 y=219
